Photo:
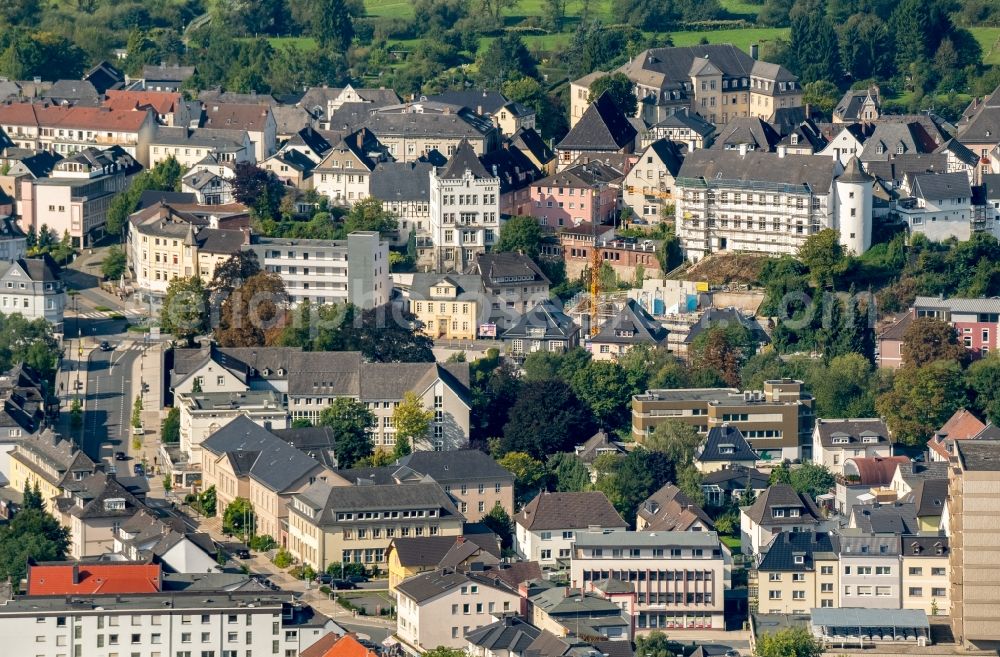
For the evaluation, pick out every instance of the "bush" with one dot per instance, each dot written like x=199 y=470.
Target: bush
x=262 y=543
x=283 y=559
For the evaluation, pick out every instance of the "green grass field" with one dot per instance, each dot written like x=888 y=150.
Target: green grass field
x=989 y=41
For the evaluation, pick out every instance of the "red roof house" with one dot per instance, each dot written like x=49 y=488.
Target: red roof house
x=89 y=579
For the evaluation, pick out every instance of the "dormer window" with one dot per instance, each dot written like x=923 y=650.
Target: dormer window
x=266 y=371
x=899 y=149
x=726 y=449
x=841 y=440
x=777 y=513
x=799 y=559
x=114 y=504
x=281 y=371
x=794 y=513
x=870 y=440
x=880 y=149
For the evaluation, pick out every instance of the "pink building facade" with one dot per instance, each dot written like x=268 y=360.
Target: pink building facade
x=587 y=193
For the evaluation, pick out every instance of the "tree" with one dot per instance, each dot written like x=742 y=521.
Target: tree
x=520 y=234
x=621 y=90
x=569 y=474
x=386 y=334
x=529 y=473
x=651 y=15
x=253 y=312
x=76 y=413
x=258 y=189
x=234 y=270
x=350 y=421
x=811 y=479
x=821 y=94
x=238 y=518
x=689 y=480
x=823 y=255
x=630 y=479
x=207 y=500
x=165 y=176
x=184 y=313
x=330 y=22
x=546 y=418
x=368 y=214
x=983 y=378
x=677 y=440
x=170 y=431
x=604 y=387
x=922 y=399
x=32 y=498
x=33 y=534
x=788 y=642
x=813 y=47
x=928 y=339
x=654 y=644
x=441 y=651
x=494 y=11
x=411 y=419
x=866 y=46
x=114 y=264
x=498 y=521
x=844 y=388
x=553 y=14
x=723 y=349
x=505 y=58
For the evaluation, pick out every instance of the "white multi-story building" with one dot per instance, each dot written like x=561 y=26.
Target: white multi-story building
x=769 y=202
x=679 y=578
x=162 y=624
x=354 y=270
x=204 y=413
x=464 y=209
x=31 y=287
x=545 y=529
x=938 y=205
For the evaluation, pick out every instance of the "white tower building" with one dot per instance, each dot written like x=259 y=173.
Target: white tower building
x=854 y=207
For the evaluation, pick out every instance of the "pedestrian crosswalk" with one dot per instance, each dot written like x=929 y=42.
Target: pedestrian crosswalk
x=109 y=314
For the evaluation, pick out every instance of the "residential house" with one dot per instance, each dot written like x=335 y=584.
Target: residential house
x=682 y=126
x=878 y=519
x=204 y=413
x=292 y=168
x=547 y=525
x=92 y=509
x=721 y=194
x=747 y=134
x=448 y=306
x=165 y=78
x=507 y=115
x=834 y=441
x=190 y=146
x=630 y=327
x=577 y=194
x=345 y=173
x=566 y=611
x=603 y=128
x=210 y=180
x=468 y=599
x=599 y=444
x=144 y=537
x=66 y=129
x=464 y=210
x=925 y=571
x=508 y=637
x=234 y=620
x=866 y=479
x=334 y=645
x=410 y=132
x=938 y=205
x=736 y=484
x=649 y=186
x=670 y=510
x=977 y=321
x=848 y=142
x=355 y=524
x=75 y=198
x=323 y=102
x=543 y=328
x=71 y=579
x=890 y=341
x=256 y=120
x=32 y=288
x=692 y=574
x=105 y=77
x=164 y=244
x=405 y=190
x=309 y=142
x=242 y=459
x=870 y=572
x=900 y=135
x=858 y=106
x=962 y=425
x=414 y=555
x=724 y=447
x=169 y=106
x=930 y=497
x=979 y=127
x=27 y=405
x=779 y=509
x=50 y=461
x=354 y=270
x=624 y=256
x=974 y=543
x=776 y=421
x=908 y=475
x=538 y=152
x=516 y=171
x=799 y=572
x=13 y=241
x=514 y=283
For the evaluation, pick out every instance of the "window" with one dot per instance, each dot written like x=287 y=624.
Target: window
x=826 y=570
x=774 y=577
x=546 y=554
x=915 y=592
x=883 y=591
x=826 y=587
x=798 y=595
x=939 y=572
x=567 y=536
x=938 y=592
x=774 y=595
x=546 y=536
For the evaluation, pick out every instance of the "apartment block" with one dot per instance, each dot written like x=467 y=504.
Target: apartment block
x=680 y=578
x=354 y=270
x=799 y=572
x=777 y=421
x=974 y=526
x=925 y=571
x=870 y=572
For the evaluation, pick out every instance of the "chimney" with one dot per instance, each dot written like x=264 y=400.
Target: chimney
x=691 y=146
x=755 y=50
x=782 y=151
x=361 y=139
x=743 y=150
x=76 y=573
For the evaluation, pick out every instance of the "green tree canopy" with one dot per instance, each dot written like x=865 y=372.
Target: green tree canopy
x=34 y=534
x=675 y=439
x=350 y=421
x=569 y=474
x=929 y=339
x=520 y=234
x=411 y=419
x=114 y=264
x=368 y=214
x=184 y=313
x=546 y=418
x=529 y=473
x=654 y=644
x=238 y=518
x=621 y=90
x=788 y=642
x=499 y=522
x=922 y=399
x=824 y=256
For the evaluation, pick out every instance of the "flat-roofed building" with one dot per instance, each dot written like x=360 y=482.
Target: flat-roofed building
x=777 y=421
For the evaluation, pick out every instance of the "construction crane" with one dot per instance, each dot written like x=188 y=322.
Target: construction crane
x=595 y=285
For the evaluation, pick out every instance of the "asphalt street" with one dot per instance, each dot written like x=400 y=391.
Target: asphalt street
x=109 y=402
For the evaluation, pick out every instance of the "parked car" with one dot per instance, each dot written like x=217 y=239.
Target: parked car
x=106 y=346
x=357 y=579
x=342 y=585
x=138 y=470
x=120 y=456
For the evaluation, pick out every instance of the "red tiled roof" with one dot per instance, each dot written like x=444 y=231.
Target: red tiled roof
x=162 y=102
x=59 y=116
x=961 y=426
x=877 y=470
x=75 y=579
x=333 y=646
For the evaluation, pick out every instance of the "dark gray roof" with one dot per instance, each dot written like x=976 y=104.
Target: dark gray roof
x=896 y=518
x=854 y=172
x=749 y=130
x=813 y=171
x=510 y=633
x=527 y=139
x=725 y=443
x=890 y=136
x=632 y=325
x=545 y=315
x=670 y=153
x=569 y=511
x=684 y=118
x=512 y=167
x=850 y=104
x=930 y=496
x=961 y=153
x=599 y=443
x=421 y=588
x=588 y=175
x=942 y=186
x=854 y=430
x=480 y=101
x=926 y=546
x=781 y=555
x=430 y=550
x=277 y=465
x=782 y=495
x=401 y=181
x=463 y=124
x=40 y=270
x=735 y=478
x=75 y=92
x=603 y=127
x=167 y=73
x=991 y=183
x=467 y=286
x=866 y=545
x=507 y=269
x=464 y=159
x=456 y=466
x=329 y=500
x=982 y=121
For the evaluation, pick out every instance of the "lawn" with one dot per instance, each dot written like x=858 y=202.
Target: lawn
x=989 y=41
x=731 y=542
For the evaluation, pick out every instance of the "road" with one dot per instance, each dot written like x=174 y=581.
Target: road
x=109 y=401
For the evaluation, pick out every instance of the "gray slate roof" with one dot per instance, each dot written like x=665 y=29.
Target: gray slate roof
x=749 y=130
x=426 y=586
x=603 y=127
x=510 y=633
x=725 y=443
x=782 y=495
x=855 y=430
x=813 y=171
x=568 y=511
x=942 y=186
x=499 y=270
x=632 y=325
x=401 y=181
x=328 y=500
x=547 y=316
x=781 y=555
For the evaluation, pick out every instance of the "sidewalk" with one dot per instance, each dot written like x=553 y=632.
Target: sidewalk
x=146 y=369
x=73 y=368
